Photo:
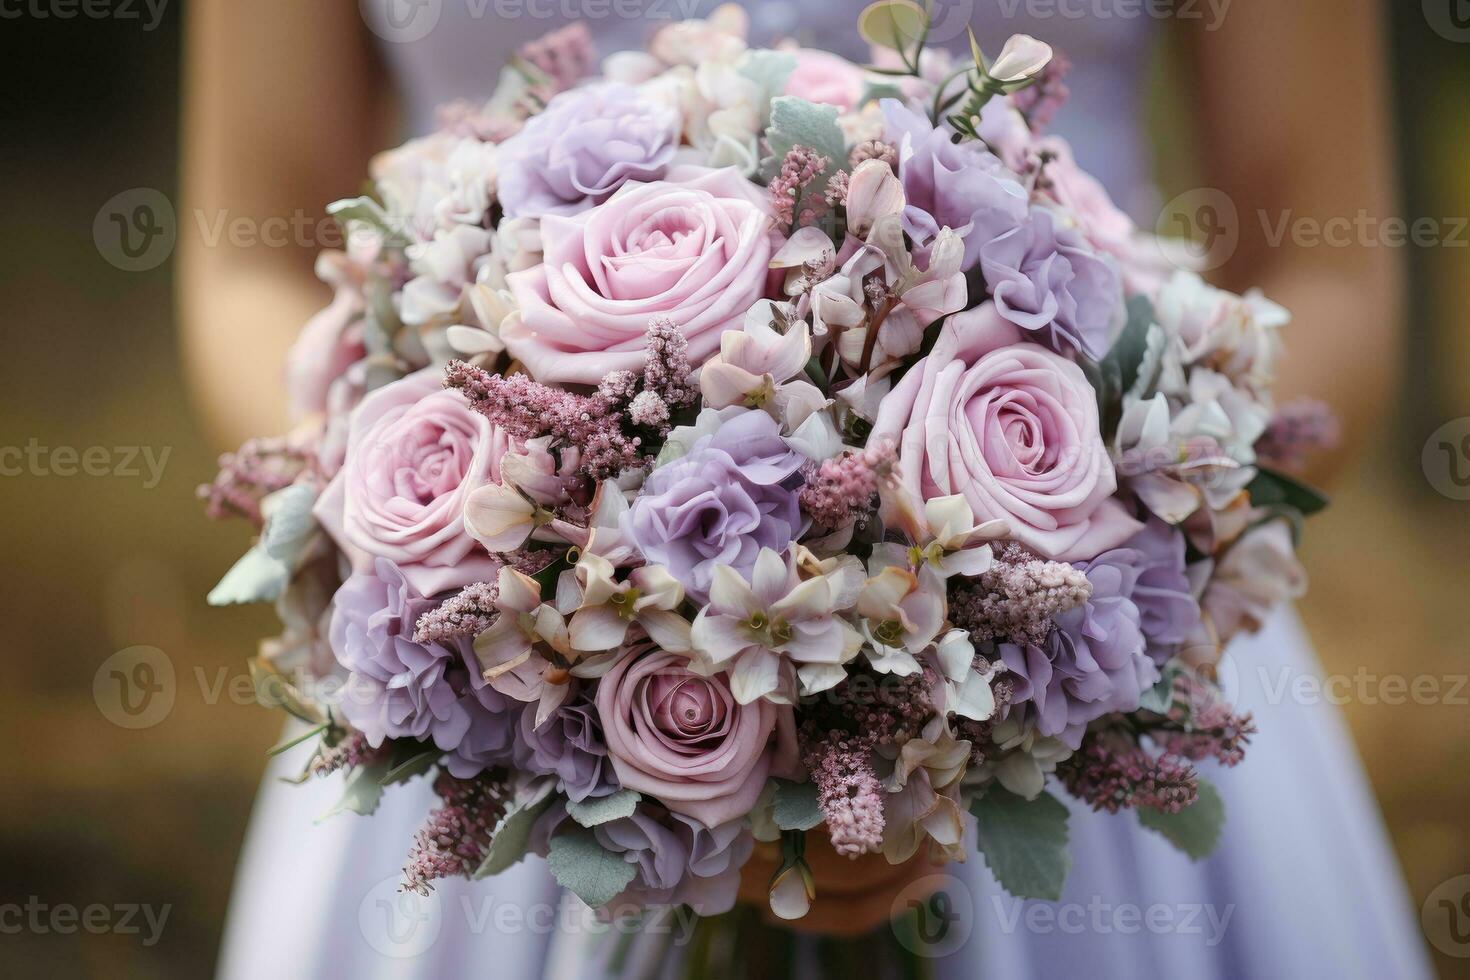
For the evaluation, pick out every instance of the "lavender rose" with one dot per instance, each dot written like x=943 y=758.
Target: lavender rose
x=1014 y=428
x=961 y=186
x=414 y=453
x=582 y=147
x=730 y=496
x=1092 y=664
x=694 y=248
x=684 y=739
x=398 y=688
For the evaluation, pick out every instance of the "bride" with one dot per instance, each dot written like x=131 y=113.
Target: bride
x=287 y=101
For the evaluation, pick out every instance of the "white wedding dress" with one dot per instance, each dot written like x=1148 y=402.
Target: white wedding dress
x=1303 y=884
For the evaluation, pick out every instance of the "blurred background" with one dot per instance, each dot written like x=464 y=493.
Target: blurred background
x=112 y=809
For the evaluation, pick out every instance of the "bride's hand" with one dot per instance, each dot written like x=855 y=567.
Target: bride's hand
x=854 y=895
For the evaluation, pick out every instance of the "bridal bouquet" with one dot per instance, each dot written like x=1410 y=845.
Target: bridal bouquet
x=735 y=445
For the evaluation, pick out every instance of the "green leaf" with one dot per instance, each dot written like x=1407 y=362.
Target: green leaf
x=1024 y=842
x=287 y=744
x=414 y=764
x=599 y=810
x=1160 y=697
x=587 y=869
x=289 y=524
x=256 y=577
x=893 y=24
x=547 y=577
x=1271 y=488
x=1128 y=350
x=1195 y=830
x=362 y=793
x=513 y=835
x=795 y=806
x=877 y=91
x=797 y=122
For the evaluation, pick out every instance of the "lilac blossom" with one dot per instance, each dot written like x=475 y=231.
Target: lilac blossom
x=585 y=145
x=254 y=471
x=527 y=409
x=848 y=792
x=454 y=839
x=1113 y=772
x=1019 y=596
x=1299 y=428
x=799 y=170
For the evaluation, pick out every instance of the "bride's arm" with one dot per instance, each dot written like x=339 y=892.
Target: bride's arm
x=283 y=105
x=1293 y=115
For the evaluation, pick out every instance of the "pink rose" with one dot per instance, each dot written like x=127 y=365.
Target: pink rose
x=823 y=77
x=693 y=248
x=1014 y=428
x=684 y=739
x=414 y=453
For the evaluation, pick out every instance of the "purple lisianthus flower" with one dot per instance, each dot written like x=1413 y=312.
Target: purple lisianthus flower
x=568 y=745
x=733 y=494
x=1046 y=278
x=1093 y=663
x=397 y=688
x=583 y=146
x=962 y=186
x=1167 y=609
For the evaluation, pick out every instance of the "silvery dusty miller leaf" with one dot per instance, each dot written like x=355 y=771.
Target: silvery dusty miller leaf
x=289 y=524
x=795 y=806
x=769 y=70
x=599 y=810
x=587 y=869
x=796 y=122
x=256 y=577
